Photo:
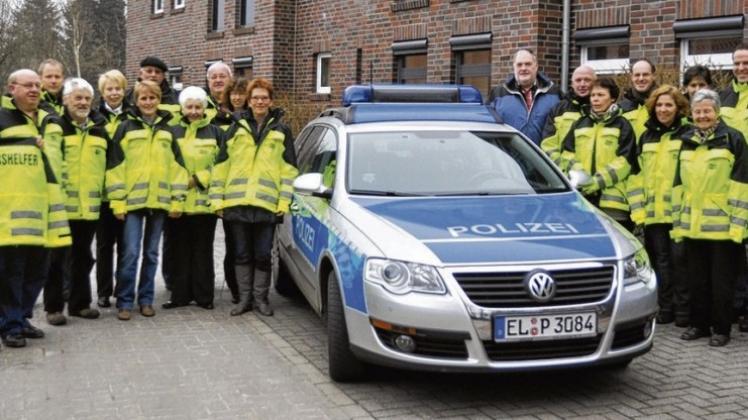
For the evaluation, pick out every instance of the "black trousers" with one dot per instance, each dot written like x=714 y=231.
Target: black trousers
x=253 y=243
x=22 y=273
x=192 y=273
x=712 y=272
x=57 y=277
x=81 y=263
x=672 y=290
x=741 y=286
x=108 y=234
x=228 y=261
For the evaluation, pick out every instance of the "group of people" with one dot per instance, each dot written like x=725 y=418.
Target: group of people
x=145 y=162
x=667 y=163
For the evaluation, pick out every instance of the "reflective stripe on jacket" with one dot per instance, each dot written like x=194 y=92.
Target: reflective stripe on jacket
x=710 y=198
x=558 y=123
x=199 y=143
x=31 y=207
x=256 y=166
x=604 y=148
x=144 y=167
x=635 y=111
x=650 y=191
x=85 y=166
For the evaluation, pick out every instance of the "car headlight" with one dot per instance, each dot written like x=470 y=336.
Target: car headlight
x=636 y=268
x=400 y=277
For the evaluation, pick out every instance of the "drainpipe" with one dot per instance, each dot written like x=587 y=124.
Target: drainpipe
x=565 y=36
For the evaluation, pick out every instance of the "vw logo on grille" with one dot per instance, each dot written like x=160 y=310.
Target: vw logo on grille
x=540 y=286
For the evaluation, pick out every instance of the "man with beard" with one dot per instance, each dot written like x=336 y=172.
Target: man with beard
x=85 y=145
x=571 y=108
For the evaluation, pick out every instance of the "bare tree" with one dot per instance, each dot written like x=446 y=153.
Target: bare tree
x=7 y=35
x=79 y=28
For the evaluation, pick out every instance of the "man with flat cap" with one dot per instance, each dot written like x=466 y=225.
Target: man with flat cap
x=154 y=69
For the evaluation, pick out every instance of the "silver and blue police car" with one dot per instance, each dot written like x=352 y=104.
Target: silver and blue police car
x=431 y=236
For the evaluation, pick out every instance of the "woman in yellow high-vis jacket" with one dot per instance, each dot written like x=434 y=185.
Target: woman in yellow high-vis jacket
x=650 y=193
x=145 y=180
x=251 y=187
x=603 y=145
x=191 y=236
x=710 y=215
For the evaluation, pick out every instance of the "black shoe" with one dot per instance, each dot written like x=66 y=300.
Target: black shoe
x=14 y=340
x=665 y=318
x=694 y=333
x=103 y=302
x=171 y=305
x=719 y=340
x=86 y=313
x=30 y=331
x=208 y=305
x=264 y=309
x=234 y=299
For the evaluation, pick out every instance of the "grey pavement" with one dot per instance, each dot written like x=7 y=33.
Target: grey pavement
x=191 y=363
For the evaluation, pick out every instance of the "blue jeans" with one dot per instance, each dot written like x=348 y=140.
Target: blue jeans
x=23 y=270
x=127 y=271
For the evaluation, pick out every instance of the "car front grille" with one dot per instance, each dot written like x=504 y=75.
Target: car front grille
x=538 y=350
x=507 y=290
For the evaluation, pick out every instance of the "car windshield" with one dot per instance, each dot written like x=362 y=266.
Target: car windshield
x=447 y=163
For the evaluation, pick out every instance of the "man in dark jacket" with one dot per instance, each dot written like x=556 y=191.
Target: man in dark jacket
x=525 y=98
x=154 y=69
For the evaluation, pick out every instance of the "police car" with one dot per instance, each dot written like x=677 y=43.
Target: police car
x=431 y=236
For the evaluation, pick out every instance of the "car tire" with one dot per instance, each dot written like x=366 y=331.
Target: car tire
x=344 y=366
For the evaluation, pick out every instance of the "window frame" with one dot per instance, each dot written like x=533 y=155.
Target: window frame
x=157 y=7
x=218 y=9
x=319 y=88
x=178 y=4
x=610 y=66
x=403 y=73
x=471 y=70
x=244 y=6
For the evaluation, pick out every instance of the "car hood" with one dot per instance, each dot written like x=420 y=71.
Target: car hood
x=500 y=229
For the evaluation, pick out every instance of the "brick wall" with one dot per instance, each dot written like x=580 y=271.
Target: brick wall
x=288 y=35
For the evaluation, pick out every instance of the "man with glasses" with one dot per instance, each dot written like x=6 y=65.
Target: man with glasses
x=33 y=215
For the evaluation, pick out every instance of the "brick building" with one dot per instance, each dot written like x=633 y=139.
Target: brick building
x=312 y=49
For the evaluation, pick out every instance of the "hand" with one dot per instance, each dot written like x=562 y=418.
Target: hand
x=175 y=214
x=220 y=213
x=591 y=188
x=121 y=216
x=40 y=142
x=191 y=183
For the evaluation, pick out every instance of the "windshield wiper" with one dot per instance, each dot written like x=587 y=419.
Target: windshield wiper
x=480 y=193
x=385 y=193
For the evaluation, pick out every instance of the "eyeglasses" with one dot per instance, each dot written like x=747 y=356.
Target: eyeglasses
x=260 y=98
x=29 y=85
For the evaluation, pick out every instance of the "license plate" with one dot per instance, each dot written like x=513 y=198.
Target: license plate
x=544 y=327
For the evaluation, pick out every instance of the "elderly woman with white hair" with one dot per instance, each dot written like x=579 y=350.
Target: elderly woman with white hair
x=191 y=235
x=85 y=147
x=710 y=214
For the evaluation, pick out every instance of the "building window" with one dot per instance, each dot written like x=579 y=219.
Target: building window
x=217 y=16
x=411 y=69
x=245 y=13
x=474 y=68
x=242 y=67
x=175 y=77
x=709 y=42
x=472 y=61
x=604 y=49
x=323 y=73
x=410 y=61
x=158 y=6
x=178 y=4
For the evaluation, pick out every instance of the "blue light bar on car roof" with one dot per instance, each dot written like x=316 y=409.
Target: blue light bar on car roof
x=411 y=94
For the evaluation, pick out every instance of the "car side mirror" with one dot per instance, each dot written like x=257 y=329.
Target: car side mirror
x=312 y=184
x=579 y=178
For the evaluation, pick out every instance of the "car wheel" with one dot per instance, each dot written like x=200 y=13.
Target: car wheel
x=344 y=366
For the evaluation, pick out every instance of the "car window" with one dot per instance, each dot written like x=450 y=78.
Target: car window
x=306 y=148
x=324 y=160
x=448 y=163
